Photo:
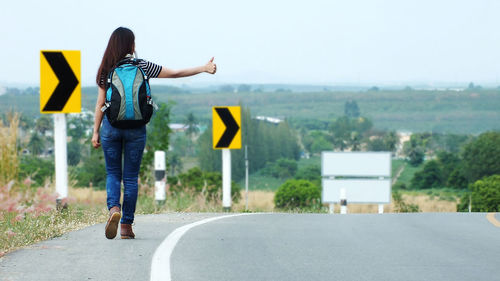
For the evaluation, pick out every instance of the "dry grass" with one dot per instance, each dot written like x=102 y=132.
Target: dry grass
x=430 y=204
x=258 y=201
x=32 y=228
x=262 y=201
x=88 y=196
x=9 y=163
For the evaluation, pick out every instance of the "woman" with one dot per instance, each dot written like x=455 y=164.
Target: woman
x=127 y=142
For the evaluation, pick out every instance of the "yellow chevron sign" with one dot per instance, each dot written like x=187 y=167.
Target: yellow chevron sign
x=226 y=125
x=60 y=87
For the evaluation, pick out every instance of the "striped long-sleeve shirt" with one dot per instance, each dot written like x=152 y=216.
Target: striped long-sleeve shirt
x=152 y=70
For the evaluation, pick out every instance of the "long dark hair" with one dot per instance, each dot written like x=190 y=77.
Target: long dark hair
x=121 y=43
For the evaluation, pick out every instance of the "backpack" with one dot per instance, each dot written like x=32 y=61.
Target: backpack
x=128 y=96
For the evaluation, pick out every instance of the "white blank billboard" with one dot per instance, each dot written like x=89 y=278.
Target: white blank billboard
x=356 y=164
x=357 y=191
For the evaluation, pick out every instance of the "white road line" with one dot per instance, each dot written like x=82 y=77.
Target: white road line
x=160 y=265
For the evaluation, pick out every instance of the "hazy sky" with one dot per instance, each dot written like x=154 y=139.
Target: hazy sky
x=322 y=42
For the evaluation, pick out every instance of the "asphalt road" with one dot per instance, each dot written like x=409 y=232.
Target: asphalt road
x=423 y=246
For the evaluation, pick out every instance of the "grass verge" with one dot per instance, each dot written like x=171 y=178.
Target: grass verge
x=23 y=230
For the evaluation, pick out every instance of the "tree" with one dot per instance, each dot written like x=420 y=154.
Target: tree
x=449 y=163
x=74 y=152
x=283 y=168
x=316 y=141
x=179 y=144
x=26 y=122
x=77 y=127
x=175 y=163
x=36 y=144
x=311 y=173
x=481 y=157
x=453 y=142
x=472 y=86
x=192 y=128
x=391 y=140
x=158 y=133
x=44 y=123
x=428 y=177
x=457 y=180
x=414 y=152
x=347 y=132
x=341 y=132
x=485 y=195
x=92 y=170
x=351 y=109
x=385 y=143
x=376 y=144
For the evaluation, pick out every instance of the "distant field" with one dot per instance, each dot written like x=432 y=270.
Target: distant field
x=439 y=111
x=416 y=111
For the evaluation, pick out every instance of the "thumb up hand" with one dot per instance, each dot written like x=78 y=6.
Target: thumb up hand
x=211 y=67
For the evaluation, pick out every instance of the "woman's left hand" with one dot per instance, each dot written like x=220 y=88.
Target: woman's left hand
x=211 y=67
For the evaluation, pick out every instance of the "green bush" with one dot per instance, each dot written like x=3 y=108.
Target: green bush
x=298 y=194
x=37 y=168
x=207 y=183
x=463 y=205
x=484 y=196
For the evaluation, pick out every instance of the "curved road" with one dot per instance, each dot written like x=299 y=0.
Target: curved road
x=422 y=246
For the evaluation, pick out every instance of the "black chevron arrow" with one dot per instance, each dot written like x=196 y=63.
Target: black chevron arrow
x=67 y=81
x=231 y=127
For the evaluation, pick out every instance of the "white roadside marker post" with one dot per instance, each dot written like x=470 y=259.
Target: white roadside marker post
x=331 y=206
x=61 y=159
x=160 y=178
x=343 y=202
x=380 y=208
x=226 y=179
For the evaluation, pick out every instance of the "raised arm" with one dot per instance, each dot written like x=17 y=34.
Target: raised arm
x=210 y=67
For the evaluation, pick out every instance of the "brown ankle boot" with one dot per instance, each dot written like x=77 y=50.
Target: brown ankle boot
x=126 y=231
x=112 y=225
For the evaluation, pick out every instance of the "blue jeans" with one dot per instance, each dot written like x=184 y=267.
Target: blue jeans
x=129 y=143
